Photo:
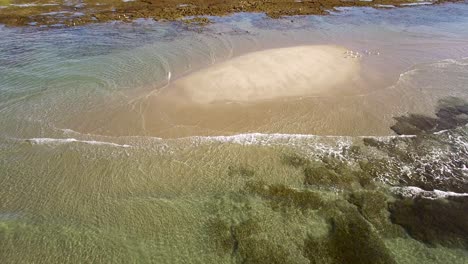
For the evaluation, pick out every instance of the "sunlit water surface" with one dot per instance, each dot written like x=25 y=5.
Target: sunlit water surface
x=94 y=169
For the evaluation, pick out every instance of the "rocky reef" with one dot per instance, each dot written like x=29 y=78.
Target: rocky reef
x=345 y=210
x=74 y=13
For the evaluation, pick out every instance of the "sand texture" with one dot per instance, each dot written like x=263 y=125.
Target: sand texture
x=269 y=74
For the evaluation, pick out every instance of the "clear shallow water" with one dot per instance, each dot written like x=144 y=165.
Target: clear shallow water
x=82 y=181
x=61 y=77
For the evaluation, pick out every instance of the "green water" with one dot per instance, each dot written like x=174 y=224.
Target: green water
x=210 y=203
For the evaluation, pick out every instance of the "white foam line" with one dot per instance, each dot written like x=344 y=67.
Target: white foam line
x=417 y=4
x=32 y=4
x=385 y=6
x=413 y=191
x=71 y=140
x=440 y=132
x=251 y=136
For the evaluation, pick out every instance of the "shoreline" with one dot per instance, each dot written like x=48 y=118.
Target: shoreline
x=50 y=13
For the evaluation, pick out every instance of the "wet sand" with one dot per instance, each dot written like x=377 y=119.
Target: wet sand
x=299 y=89
x=319 y=90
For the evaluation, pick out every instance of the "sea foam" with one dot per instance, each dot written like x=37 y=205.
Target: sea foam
x=71 y=140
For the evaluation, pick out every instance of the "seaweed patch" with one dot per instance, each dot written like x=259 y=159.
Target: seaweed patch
x=434 y=221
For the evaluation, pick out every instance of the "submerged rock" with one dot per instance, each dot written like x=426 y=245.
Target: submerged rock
x=242 y=171
x=428 y=161
x=282 y=196
x=434 y=221
x=351 y=240
x=294 y=160
x=372 y=205
x=255 y=247
x=338 y=175
x=452 y=113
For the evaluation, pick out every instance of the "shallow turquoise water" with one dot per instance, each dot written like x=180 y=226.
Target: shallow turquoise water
x=81 y=182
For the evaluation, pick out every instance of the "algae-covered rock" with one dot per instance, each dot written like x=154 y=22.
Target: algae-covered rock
x=392 y=149
x=282 y=196
x=338 y=174
x=452 y=112
x=322 y=176
x=351 y=240
x=198 y=21
x=294 y=160
x=221 y=232
x=250 y=231
x=240 y=171
x=373 y=206
x=255 y=247
x=439 y=221
x=377 y=167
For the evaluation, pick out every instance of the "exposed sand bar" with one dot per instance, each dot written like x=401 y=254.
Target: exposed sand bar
x=276 y=99
x=270 y=74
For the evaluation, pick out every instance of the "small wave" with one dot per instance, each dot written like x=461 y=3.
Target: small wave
x=253 y=137
x=245 y=137
x=385 y=6
x=417 y=4
x=412 y=192
x=33 y=5
x=72 y=140
x=9 y=216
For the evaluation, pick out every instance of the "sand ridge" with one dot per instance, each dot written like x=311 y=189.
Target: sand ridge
x=269 y=74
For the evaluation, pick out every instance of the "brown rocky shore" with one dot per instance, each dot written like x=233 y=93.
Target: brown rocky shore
x=79 y=12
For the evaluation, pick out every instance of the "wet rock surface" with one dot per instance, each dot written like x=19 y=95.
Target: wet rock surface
x=74 y=13
x=434 y=155
x=427 y=161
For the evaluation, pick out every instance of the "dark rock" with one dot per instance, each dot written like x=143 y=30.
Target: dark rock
x=440 y=221
x=351 y=240
x=283 y=196
x=240 y=171
x=451 y=113
x=294 y=160
x=372 y=205
x=257 y=249
x=322 y=176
